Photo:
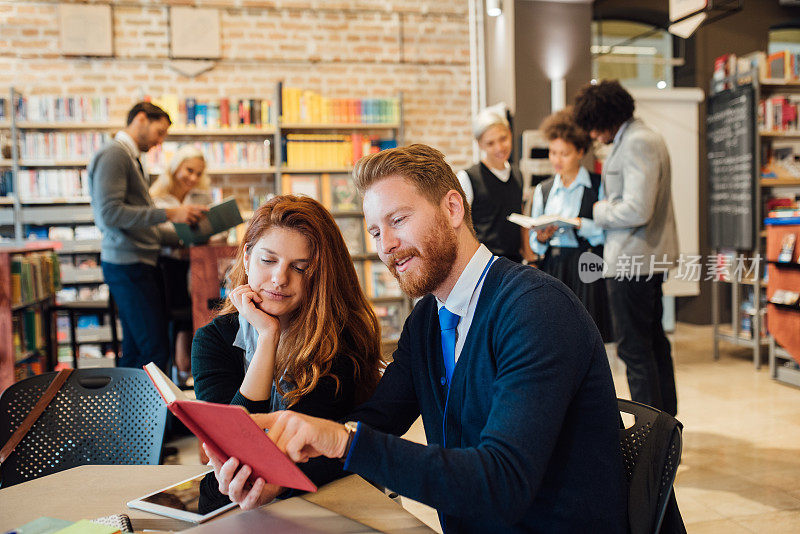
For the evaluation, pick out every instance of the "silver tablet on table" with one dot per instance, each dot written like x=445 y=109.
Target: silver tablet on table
x=181 y=501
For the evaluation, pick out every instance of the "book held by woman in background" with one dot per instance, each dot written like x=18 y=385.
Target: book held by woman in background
x=541 y=222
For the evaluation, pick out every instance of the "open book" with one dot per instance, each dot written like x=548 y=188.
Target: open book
x=540 y=222
x=218 y=218
x=230 y=432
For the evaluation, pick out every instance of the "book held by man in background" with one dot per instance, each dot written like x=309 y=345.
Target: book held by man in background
x=541 y=222
x=219 y=217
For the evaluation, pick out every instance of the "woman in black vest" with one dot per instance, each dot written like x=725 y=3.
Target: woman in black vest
x=493 y=187
x=571 y=194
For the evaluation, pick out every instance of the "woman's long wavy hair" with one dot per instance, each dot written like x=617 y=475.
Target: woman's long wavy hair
x=334 y=317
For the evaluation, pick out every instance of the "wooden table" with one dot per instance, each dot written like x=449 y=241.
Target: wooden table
x=94 y=491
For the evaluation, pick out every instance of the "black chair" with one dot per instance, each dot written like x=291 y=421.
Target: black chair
x=98 y=417
x=651 y=453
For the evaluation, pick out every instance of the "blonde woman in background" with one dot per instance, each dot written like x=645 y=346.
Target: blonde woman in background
x=183 y=182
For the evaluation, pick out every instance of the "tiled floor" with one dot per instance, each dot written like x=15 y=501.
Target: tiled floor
x=740 y=470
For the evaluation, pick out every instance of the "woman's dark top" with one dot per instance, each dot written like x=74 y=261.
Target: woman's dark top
x=218 y=371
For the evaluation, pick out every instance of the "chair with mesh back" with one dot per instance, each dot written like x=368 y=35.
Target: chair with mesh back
x=98 y=417
x=651 y=452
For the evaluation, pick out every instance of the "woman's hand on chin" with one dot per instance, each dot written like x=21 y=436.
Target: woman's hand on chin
x=246 y=302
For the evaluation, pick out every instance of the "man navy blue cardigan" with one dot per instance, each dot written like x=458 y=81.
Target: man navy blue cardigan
x=525 y=437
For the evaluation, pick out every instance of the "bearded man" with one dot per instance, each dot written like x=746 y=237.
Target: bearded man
x=502 y=361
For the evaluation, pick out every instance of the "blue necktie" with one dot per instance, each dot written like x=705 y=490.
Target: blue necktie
x=448 y=321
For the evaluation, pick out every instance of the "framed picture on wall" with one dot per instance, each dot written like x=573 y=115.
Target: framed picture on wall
x=85 y=30
x=194 y=33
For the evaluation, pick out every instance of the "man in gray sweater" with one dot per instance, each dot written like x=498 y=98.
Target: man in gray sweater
x=641 y=237
x=126 y=216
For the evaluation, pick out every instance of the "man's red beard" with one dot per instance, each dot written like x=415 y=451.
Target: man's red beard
x=436 y=259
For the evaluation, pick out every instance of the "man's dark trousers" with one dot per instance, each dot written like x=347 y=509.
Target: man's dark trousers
x=138 y=291
x=636 y=311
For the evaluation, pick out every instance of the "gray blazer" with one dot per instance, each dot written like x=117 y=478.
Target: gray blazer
x=637 y=213
x=123 y=209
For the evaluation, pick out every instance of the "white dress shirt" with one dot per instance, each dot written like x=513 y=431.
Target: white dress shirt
x=566 y=202
x=463 y=299
x=463 y=178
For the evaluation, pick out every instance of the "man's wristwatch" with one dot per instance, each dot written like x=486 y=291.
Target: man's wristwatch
x=351 y=427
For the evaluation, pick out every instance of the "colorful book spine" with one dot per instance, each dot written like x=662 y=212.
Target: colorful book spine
x=67 y=109
x=191 y=105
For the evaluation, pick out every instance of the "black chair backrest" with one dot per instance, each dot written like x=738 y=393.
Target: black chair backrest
x=651 y=452
x=98 y=417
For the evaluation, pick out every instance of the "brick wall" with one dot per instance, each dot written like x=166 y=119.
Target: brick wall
x=354 y=48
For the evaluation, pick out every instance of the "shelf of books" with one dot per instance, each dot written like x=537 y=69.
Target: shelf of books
x=775 y=79
x=783 y=308
x=29 y=279
x=321 y=139
x=779 y=152
x=295 y=141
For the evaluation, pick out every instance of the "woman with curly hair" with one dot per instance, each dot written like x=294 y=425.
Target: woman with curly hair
x=296 y=332
x=570 y=193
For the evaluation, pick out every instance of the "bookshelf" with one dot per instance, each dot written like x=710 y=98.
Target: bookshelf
x=769 y=180
x=28 y=282
x=53 y=139
x=779 y=133
x=783 y=310
x=285 y=146
x=319 y=156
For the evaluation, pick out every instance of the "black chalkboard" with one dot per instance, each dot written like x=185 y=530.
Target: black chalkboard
x=731 y=141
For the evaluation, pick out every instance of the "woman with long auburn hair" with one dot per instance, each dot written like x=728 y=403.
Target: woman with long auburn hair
x=296 y=331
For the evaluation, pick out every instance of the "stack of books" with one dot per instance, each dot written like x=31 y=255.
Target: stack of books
x=52 y=183
x=60 y=146
x=331 y=151
x=219 y=155
x=28 y=332
x=6 y=183
x=34 y=276
x=68 y=109
x=778 y=113
x=783 y=65
x=222 y=113
x=309 y=107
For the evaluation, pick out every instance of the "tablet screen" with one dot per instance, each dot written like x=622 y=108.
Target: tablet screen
x=182 y=501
